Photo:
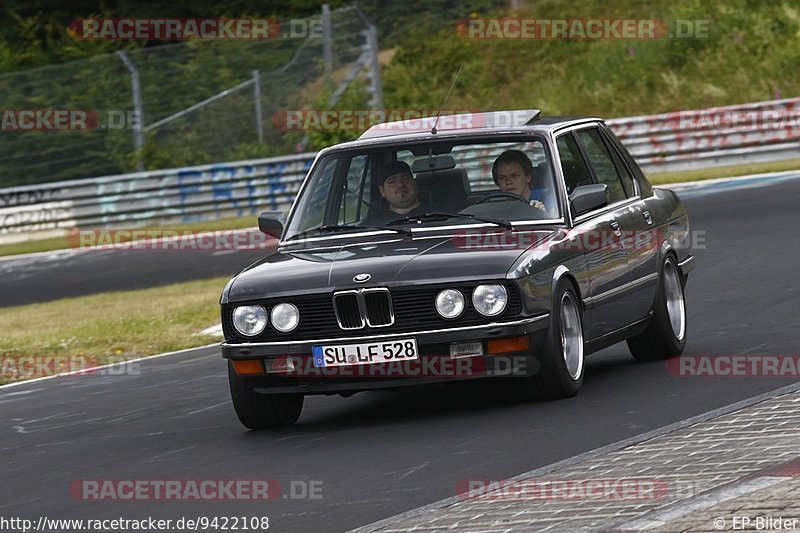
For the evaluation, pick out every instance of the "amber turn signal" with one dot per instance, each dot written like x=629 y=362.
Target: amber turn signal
x=248 y=367
x=510 y=344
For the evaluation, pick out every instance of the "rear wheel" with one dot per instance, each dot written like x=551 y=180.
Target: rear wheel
x=261 y=411
x=665 y=336
x=561 y=359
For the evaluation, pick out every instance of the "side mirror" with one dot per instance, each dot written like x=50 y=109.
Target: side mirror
x=270 y=223
x=588 y=198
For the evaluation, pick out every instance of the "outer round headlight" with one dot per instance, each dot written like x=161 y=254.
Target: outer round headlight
x=489 y=300
x=284 y=317
x=450 y=303
x=250 y=320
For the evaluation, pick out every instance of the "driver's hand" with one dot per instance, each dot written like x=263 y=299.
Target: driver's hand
x=538 y=205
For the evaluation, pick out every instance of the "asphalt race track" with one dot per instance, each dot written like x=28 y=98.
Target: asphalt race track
x=381 y=453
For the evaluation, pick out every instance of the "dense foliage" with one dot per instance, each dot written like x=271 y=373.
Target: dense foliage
x=751 y=52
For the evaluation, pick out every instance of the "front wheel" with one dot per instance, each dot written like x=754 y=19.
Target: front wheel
x=561 y=360
x=261 y=411
x=665 y=336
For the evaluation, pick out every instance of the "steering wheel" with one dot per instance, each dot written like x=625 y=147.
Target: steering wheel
x=500 y=194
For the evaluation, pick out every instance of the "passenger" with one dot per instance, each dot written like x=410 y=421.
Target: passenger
x=513 y=172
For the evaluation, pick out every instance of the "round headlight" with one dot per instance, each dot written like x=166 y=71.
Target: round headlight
x=285 y=317
x=450 y=303
x=490 y=300
x=250 y=320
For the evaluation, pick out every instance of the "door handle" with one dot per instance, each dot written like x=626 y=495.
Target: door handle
x=647 y=217
x=615 y=226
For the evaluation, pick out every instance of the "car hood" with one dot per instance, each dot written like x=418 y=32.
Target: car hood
x=388 y=262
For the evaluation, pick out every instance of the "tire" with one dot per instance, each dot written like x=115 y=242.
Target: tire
x=262 y=411
x=560 y=362
x=665 y=335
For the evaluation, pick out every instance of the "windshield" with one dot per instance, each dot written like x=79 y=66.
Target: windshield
x=426 y=185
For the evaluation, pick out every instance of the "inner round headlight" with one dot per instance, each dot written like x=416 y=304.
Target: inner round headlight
x=284 y=317
x=450 y=303
x=490 y=300
x=250 y=320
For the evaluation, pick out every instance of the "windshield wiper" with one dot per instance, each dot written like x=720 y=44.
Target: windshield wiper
x=439 y=215
x=330 y=228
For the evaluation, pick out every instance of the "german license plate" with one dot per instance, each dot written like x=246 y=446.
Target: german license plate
x=364 y=354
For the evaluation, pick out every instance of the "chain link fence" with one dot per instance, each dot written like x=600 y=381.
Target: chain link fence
x=200 y=101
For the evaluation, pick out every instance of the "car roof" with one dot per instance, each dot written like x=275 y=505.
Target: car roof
x=510 y=122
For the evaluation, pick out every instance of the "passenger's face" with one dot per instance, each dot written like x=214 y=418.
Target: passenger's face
x=400 y=190
x=511 y=178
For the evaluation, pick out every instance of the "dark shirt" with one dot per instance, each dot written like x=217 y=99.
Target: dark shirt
x=386 y=215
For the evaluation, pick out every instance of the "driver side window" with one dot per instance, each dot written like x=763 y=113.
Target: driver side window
x=356 y=194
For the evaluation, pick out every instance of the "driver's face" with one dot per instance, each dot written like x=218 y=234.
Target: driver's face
x=400 y=190
x=511 y=178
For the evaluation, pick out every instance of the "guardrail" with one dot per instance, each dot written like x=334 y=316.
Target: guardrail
x=181 y=195
x=719 y=136
x=762 y=131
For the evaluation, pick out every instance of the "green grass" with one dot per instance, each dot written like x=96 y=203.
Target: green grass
x=745 y=57
x=750 y=53
x=114 y=325
x=34 y=245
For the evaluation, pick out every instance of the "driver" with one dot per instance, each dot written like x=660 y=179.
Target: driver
x=513 y=172
x=399 y=189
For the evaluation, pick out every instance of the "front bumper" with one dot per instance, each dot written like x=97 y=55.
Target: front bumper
x=495 y=330
x=434 y=363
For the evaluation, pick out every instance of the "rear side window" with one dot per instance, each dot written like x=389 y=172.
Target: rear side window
x=600 y=159
x=575 y=171
x=645 y=188
x=627 y=179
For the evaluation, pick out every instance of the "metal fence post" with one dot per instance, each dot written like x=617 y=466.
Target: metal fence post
x=138 y=133
x=375 y=68
x=327 y=38
x=257 y=96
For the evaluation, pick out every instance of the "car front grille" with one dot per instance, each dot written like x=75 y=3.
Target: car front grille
x=348 y=310
x=378 y=307
x=365 y=307
x=394 y=310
